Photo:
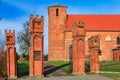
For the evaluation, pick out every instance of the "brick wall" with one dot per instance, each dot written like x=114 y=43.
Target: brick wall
x=107 y=42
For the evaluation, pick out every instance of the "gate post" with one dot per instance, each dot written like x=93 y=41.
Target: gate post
x=36 y=49
x=94 y=44
x=11 y=54
x=78 y=34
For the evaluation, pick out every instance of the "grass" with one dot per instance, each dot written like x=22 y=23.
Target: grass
x=23 y=68
x=105 y=63
x=61 y=63
x=105 y=66
x=110 y=66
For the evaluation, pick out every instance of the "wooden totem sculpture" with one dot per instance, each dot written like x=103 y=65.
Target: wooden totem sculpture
x=11 y=54
x=78 y=34
x=36 y=50
x=94 y=44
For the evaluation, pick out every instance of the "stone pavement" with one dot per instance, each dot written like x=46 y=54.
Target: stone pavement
x=50 y=70
x=77 y=77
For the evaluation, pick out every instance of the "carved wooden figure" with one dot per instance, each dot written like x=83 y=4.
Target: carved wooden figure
x=11 y=54
x=78 y=34
x=94 y=45
x=36 y=50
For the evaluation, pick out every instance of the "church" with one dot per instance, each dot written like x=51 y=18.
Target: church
x=106 y=26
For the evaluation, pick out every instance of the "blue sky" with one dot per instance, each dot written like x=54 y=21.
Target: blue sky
x=15 y=12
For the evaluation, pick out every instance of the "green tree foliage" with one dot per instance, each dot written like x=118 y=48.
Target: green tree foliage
x=23 y=38
x=25 y=56
x=18 y=56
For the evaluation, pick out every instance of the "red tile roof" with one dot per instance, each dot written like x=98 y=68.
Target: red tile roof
x=95 y=22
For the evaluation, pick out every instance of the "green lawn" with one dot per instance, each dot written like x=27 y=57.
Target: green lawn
x=110 y=66
x=62 y=64
x=106 y=66
x=23 y=68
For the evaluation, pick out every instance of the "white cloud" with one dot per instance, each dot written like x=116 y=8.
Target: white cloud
x=13 y=24
x=5 y=24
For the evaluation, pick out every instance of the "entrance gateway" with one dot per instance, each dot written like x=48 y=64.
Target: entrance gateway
x=11 y=54
x=36 y=49
x=78 y=34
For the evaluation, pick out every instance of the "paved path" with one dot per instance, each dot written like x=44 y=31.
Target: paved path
x=55 y=73
x=50 y=70
x=77 y=77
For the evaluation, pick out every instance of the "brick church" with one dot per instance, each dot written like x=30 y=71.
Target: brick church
x=60 y=32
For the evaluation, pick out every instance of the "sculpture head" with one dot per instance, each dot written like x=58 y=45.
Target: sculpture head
x=78 y=28
x=94 y=41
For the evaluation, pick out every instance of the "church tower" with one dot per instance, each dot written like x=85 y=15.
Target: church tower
x=57 y=23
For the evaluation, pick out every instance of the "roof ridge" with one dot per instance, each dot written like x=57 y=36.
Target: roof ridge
x=94 y=14
x=57 y=5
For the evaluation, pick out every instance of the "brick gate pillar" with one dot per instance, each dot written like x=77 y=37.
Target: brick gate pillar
x=78 y=34
x=36 y=50
x=94 y=44
x=11 y=54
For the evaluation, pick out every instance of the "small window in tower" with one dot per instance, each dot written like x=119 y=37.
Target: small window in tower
x=118 y=40
x=57 y=10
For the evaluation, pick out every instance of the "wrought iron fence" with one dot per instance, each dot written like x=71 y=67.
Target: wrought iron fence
x=110 y=66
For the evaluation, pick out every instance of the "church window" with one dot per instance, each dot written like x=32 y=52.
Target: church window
x=118 y=40
x=57 y=12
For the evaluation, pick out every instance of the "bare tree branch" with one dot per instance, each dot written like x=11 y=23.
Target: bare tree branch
x=23 y=38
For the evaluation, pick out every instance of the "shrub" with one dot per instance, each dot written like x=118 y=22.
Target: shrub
x=3 y=65
x=46 y=57
x=26 y=57
x=18 y=57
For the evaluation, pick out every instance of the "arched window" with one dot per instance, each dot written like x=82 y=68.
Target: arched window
x=118 y=40
x=57 y=12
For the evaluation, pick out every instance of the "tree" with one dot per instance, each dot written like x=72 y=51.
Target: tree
x=23 y=38
x=2 y=46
